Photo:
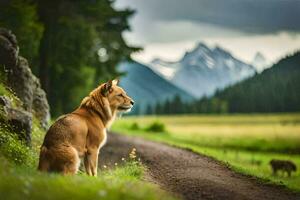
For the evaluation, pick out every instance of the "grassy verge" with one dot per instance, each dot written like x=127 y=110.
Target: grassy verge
x=245 y=142
x=121 y=183
x=19 y=178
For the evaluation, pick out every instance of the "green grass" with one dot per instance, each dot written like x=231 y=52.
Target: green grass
x=245 y=142
x=19 y=178
x=5 y=91
x=121 y=183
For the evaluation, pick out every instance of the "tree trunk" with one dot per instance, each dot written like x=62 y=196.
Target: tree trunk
x=47 y=12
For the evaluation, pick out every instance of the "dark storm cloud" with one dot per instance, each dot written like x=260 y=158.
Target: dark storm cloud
x=256 y=16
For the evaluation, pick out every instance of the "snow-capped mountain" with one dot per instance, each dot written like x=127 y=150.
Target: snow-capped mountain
x=259 y=62
x=204 y=70
x=166 y=69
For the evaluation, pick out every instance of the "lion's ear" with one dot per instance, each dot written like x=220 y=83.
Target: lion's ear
x=106 y=88
x=115 y=81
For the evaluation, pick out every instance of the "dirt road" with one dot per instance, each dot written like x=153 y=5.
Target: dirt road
x=190 y=175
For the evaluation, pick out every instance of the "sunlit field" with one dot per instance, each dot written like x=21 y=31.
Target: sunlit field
x=246 y=142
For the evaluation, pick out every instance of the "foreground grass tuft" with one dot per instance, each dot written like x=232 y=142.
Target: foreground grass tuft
x=122 y=183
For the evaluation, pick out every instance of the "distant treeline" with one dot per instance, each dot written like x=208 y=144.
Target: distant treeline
x=276 y=89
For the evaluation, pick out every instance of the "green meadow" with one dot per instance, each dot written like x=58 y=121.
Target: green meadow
x=246 y=143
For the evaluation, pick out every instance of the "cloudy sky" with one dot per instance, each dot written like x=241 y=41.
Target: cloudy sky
x=168 y=28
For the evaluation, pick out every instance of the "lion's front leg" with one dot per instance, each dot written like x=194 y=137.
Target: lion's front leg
x=91 y=161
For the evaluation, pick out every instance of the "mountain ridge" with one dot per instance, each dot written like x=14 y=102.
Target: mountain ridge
x=260 y=92
x=259 y=62
x=276 y=89
x=204 y=70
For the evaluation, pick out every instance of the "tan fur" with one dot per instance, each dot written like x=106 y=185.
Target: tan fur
x=82 y=133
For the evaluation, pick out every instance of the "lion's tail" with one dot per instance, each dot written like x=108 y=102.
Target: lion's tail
x=44 y=161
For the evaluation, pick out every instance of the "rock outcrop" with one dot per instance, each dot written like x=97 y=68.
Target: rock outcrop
x=24 y=84
x=19 y=120
x=27 y=87
x=9 y=49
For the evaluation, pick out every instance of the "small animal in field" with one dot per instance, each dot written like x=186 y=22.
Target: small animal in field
x=283 y=165
x=81 y=133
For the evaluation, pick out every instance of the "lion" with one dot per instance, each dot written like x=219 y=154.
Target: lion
x=284 y=165
x=82 y=133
